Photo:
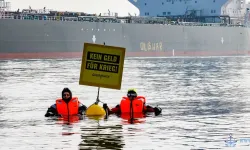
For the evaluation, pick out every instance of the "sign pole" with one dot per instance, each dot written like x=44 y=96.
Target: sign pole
x=97 y=99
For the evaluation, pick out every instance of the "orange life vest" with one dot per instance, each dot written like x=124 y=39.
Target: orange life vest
x=137 y=104
x=65 y=109
x=128 y=116
x=134 y=121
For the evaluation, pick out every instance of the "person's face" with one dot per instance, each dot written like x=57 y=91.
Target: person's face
x=66 y=95
x=131 y=96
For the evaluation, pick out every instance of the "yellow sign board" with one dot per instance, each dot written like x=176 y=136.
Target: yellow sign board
x=102 y=66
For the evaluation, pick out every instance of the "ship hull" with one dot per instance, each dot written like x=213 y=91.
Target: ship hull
x=21 y=39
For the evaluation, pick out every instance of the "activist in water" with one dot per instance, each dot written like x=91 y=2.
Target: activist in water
x=132 y=102
x=67 y=105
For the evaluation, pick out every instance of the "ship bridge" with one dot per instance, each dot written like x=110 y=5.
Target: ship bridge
x=203 y=10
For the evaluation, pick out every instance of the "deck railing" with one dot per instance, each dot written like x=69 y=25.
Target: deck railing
x=113 y=19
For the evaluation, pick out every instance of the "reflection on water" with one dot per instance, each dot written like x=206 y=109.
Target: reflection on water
x=102 y=137
x=203 y=101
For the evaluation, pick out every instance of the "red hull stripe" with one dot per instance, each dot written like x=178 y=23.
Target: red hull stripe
x=55 y=55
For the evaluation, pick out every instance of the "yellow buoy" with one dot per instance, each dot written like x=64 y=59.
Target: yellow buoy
x=95 y=110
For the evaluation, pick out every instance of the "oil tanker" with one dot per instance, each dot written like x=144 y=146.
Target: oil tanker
x=187 y=28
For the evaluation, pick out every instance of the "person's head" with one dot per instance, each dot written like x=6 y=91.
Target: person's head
x=66 y=94
x=131 y=94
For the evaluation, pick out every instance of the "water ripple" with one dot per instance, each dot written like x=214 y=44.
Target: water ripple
x=203 y=101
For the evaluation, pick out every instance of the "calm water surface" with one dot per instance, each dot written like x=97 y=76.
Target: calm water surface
x=203 y=101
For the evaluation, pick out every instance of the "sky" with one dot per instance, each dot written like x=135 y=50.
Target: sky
x=122 y=7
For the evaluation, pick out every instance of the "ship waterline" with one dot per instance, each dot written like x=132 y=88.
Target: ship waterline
x=65 y=39
x=60 y=55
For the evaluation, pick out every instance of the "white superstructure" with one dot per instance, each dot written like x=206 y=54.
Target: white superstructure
x=4 y=6
x=235 y=9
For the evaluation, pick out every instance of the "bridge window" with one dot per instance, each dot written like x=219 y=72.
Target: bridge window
x=145 y=3
x=195 y=1
x=214 y=1
x=162 y=3
x=164 y=13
